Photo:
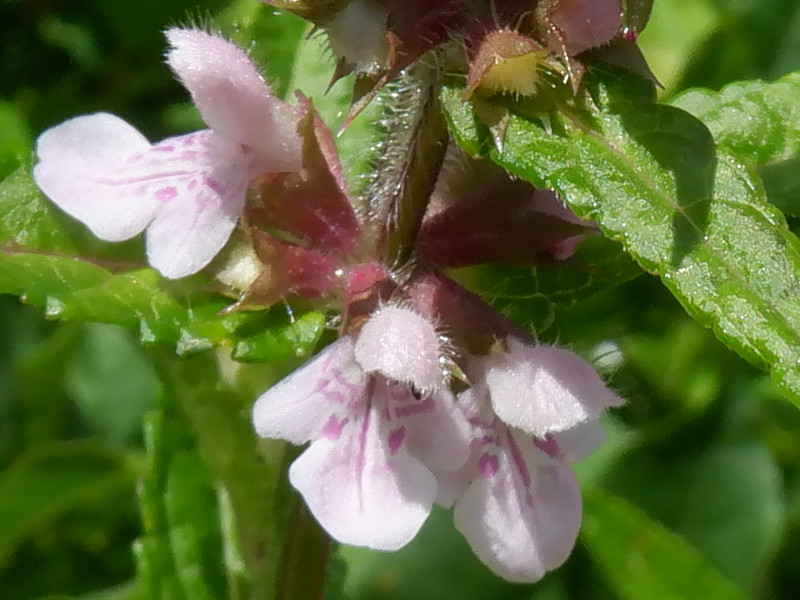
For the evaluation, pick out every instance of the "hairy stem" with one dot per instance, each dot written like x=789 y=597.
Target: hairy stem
x=410 y=158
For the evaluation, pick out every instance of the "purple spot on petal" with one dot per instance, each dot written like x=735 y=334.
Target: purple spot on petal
x=168 y=148
x=488 y=465
x=396 y=438
x=166 y=194
x=192 y=184
x=214 y=185
x=333 y=428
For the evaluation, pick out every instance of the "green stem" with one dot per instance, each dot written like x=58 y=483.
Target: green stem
x=305 y=558
x=251 y=479
x=407 y=170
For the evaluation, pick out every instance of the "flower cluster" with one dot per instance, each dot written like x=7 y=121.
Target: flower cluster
x=389 y=437
x=428 y=396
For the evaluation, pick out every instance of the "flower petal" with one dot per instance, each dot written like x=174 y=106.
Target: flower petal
x=545 y=389
x=299 y=407
x=201 y=194
x=402 y=345
x=439 y=435
x=82 y=166
x=364 y=490
x=522 y=512
x=579 y=442
x=233 y=98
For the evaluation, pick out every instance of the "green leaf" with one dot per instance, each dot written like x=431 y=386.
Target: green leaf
x=125 y=591
x=532 y=296
x=181 y=553
x=759 y=122
x=35 y=277
x=27 y=218
x=131 y=300
x=293 y=339
x=647 y=174
x=644 y=561
x=40 y=262
x=49 y=480
x=15 y=138
x=782 y=182
x=250 y=484
x=721 y=499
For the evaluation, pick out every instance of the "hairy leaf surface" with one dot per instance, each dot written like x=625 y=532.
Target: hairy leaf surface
x=649 y=175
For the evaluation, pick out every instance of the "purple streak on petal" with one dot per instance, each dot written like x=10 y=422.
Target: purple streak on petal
x=488 y=465
x=360 y=493
x=486 y=440
x=396 y=438
x=438 y=433
x=298 y=407
x=111 y=181
x=521 y=466
x=190 y=230
x=520 y=530
x=548 y=445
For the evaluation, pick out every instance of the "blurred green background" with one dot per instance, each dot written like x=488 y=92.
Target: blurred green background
x=705 y=446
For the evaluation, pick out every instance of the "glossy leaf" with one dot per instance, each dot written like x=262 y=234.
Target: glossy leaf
x=759 y=122
x=648 y=175
x=641 y=559
x=27 y=219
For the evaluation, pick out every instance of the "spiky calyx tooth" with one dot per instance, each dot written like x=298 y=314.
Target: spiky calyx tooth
x=506 y=62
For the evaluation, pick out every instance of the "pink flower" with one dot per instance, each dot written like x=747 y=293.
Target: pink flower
x=187 y=191
x=544 y=389
x=381 y=424
x=532 y=411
